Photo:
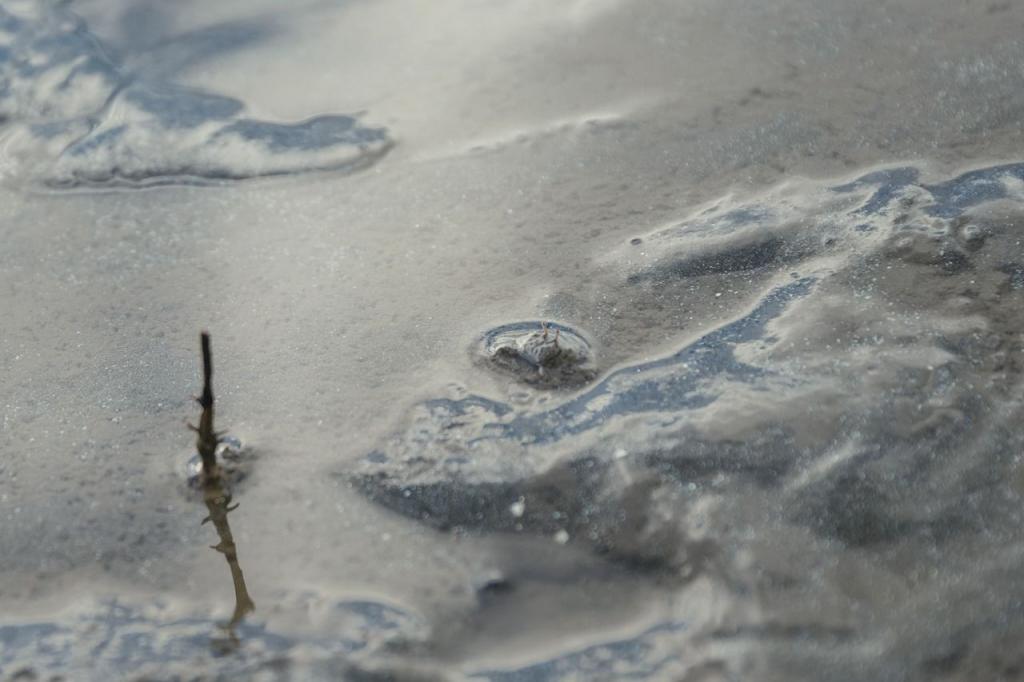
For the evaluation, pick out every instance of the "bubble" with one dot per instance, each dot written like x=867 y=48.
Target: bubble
x=518 y=507
x=233 y=459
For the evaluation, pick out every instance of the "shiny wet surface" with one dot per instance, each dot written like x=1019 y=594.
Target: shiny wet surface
x=789 y=232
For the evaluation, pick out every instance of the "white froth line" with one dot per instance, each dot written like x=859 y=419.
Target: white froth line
x=824 y=465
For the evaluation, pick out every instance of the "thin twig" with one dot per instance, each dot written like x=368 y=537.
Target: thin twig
x=215 y=494
x=206 y=438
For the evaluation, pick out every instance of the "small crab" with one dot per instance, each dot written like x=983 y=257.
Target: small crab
x=544 y=354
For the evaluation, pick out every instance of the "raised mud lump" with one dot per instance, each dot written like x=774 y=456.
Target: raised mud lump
x=544 y=354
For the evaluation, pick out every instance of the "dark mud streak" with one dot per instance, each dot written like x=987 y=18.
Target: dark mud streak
x=464 y=405
x=951 y=198
x=627 y=659
x=120 y=640
x=890 y=182
x=751 y=257
x=158 y=145
x=574 y=495
x=786 y=631
x=480 y=505
x=174 y=107
x=710 y=356
x=188 y=176
x=700 y=459
x=972 y=188
x=1015 y=271
x=187 y=50
x=315 y=133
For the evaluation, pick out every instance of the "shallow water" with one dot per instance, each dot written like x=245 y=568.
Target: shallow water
x=786 y=236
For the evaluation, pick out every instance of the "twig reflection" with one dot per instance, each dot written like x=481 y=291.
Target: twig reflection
x=218 y=502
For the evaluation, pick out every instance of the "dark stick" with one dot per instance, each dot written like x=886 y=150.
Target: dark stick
x=206 y=440
x=215 y=493
x=207 y=399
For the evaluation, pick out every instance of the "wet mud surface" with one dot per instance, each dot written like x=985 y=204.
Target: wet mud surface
x=857 y=369
x=583 y=341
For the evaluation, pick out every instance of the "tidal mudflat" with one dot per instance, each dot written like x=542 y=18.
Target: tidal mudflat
x=554 y=341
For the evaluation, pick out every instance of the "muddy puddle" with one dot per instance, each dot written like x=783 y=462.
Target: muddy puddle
x=554 y=341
